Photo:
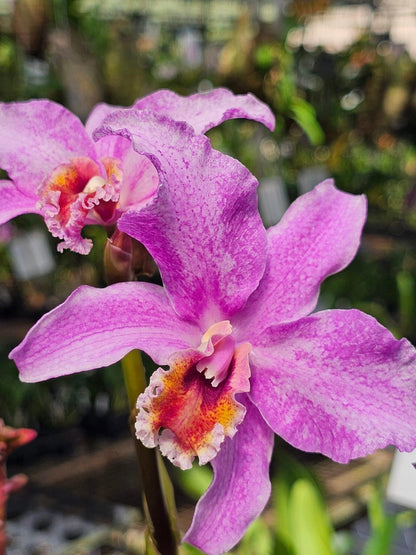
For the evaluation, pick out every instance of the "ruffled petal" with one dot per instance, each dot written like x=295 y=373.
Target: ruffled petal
x=97 y=327
x=318 y=236
x=240 y=488
x=14 y=202
x=75 y=194
x=206 y=110
x=338 y=383
x=36 y=137
x=185 y=411
x=204 y=230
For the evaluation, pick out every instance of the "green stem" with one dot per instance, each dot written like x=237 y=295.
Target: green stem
x=157 y=490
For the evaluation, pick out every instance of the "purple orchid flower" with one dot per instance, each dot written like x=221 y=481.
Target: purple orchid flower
x=247 y=357
x=57 y=170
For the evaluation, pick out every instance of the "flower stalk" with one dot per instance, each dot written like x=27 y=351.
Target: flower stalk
x=162 y=535
x=158 y=498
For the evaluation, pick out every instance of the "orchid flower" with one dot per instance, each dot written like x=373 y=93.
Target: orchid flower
x=57 y=170
x=247 y=357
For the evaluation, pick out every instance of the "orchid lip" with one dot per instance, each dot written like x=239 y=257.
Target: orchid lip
x=76 y=194
x=191 y=408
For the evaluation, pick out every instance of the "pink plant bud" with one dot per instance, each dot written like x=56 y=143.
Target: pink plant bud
x=13 y=484
x=12 y=438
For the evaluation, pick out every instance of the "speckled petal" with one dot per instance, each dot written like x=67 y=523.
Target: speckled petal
x=338 y=383
x=14 y=202
x=206 y=110
x=318 y=236
x=97 y=327
x=240 y=488
x=35 y=137
x=203 y=230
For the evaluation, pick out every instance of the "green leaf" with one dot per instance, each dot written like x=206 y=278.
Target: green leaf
x=342 y=542
x=382 y=537
x=188 y=549
x=257 y=539
x=289 y=471
x=265 y=56
x=406 y=290
x=305 y=116
x=195 y=481
x=383 y=526
x=311 y=529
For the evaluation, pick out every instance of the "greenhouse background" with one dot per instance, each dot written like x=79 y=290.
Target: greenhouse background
x=340 y=77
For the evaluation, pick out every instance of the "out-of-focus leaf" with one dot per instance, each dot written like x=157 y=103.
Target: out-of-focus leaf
x=383 y=526
x=265 y=56
x=305 y=116
x=188 y=549
x=195 y=481
x=342 y=542
x=289 y=471
x=311 y=529
x=257 y=539
x=406 y=290
x=281 y=547
x=281 y=491
x=381 y=539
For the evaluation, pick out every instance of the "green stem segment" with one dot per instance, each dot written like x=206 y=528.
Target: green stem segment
x=157 y=490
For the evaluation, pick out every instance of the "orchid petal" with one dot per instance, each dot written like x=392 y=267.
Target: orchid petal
x=97 y=327
x=318 y=236
x=206 y=110
x=204 y=230
x=140 y=178
x=338 y=383
x=36 y=137
x=240 y=488
x=97 y=116
x=14 y=202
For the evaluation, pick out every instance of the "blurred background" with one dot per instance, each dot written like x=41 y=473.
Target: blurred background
x=341 y=79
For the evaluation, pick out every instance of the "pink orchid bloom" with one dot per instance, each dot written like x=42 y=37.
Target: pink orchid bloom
x=234 y=322
x=57 y=170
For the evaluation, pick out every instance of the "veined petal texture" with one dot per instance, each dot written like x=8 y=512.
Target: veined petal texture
x=208 y=109
x=37 y=136
x=14 y=202
x=203 y=229
x=319 y=235
x=97 y=327
x=336 y=382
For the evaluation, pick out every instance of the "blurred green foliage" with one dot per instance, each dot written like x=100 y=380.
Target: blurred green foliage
x=298 y=522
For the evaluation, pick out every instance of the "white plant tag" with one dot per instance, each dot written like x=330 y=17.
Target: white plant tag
x=401 y=488
x=30 y=255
